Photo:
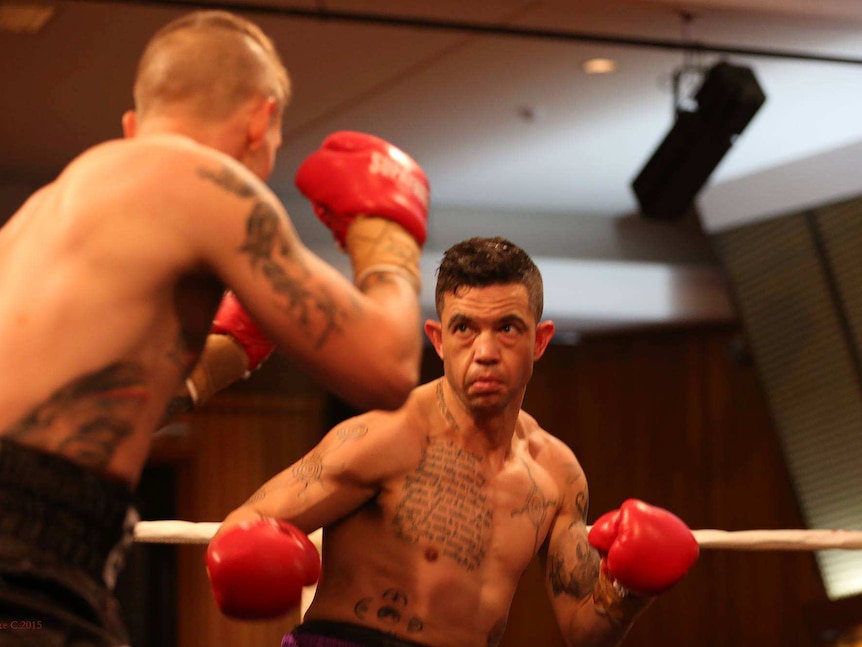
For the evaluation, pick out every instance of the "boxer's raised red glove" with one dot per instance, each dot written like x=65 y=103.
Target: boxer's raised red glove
x=645 y=548
x=356 y=174
x=231 y=319
x=257 y=569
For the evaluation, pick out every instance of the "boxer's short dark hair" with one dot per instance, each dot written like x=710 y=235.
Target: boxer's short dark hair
x=481 y=262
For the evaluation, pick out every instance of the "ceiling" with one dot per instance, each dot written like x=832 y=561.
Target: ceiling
x=515 y=138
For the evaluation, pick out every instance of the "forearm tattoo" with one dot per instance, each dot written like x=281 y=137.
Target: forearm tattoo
x=390 y=611
x=309 y=470
x=92 y=415
x=375 y=279
x=260 y=495
x=267 y=249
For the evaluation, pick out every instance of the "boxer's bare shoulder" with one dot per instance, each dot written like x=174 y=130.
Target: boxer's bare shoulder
x=166 y=161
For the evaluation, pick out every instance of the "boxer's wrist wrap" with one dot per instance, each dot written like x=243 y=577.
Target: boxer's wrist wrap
x=193 y=391
x=222 y=363
x=612 y=599
x=378 y=245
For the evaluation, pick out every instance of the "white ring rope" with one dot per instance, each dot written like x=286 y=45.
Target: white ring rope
x=175 y=532
x=187 y=532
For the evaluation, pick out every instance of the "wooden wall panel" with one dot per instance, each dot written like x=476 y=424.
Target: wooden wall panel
x=241 y=440
x=670 y=418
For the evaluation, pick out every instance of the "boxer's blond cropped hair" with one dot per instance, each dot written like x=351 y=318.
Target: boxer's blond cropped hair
x=208 y=63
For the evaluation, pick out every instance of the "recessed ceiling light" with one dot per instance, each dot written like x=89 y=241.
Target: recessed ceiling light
x=600 y=66
x=24 y=17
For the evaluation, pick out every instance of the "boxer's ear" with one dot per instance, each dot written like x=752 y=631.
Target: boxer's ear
x=434 y=332
x=260 y=121
x=544 y=333
x=130 y=124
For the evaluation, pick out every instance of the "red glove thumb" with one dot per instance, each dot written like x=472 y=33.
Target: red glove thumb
x=604 y=531
x=308 y=556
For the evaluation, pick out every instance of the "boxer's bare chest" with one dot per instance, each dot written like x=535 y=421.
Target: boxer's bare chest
x=456 y=504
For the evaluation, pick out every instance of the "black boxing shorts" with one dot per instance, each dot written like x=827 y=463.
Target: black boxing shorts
x=326 y=633
x=64 y=535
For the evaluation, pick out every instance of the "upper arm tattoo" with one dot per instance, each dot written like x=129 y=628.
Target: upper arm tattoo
x=535 y=506
x=268 y=250
x=309 y=470
x=574 y=474
x=574 y=572
x=354 y=432
x=582 y=504
x=573 y=566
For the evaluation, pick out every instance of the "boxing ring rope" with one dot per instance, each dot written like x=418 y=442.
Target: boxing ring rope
x=187 y=532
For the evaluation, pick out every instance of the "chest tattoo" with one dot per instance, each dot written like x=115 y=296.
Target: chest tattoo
x=444 y=501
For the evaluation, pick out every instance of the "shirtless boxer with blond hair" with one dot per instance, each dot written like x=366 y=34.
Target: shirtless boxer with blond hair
x=431 y=513
x=110 y=277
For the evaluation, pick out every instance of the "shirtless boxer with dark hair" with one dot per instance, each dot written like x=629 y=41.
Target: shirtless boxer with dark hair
x=431 y=513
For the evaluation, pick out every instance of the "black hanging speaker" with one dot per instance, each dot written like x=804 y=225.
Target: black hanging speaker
x=727 y=100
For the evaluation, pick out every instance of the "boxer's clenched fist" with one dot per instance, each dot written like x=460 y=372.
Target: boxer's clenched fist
x=355 y=174
x=645 y=548
x=257 y=569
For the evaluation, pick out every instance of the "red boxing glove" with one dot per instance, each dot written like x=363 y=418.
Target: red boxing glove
x=644 y=548
x=232 y=320
x=257 y=569
x=356 y=174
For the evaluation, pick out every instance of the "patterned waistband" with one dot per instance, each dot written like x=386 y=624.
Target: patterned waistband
x=327 y=633
x=65 y=511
